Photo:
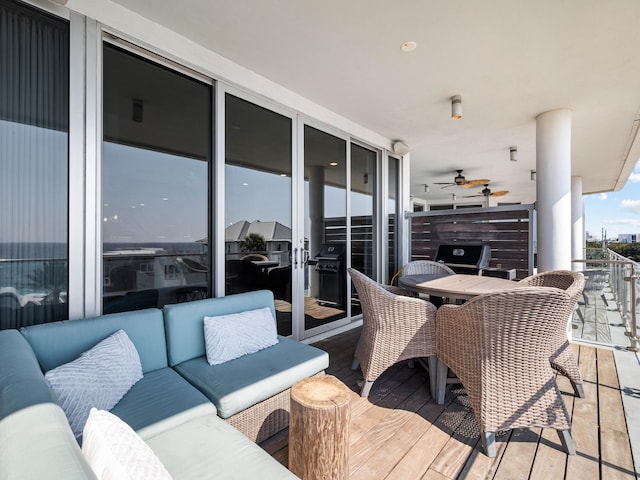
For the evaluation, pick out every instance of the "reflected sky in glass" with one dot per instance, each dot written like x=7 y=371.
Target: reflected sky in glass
x=151 y=196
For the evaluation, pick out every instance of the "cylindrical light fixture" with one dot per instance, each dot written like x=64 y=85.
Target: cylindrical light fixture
x=456 y=107
x=513 y=154
x=426 y=188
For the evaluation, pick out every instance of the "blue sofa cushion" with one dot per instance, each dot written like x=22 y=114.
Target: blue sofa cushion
x=35 y=437
x=22 y=383
x=161 y=400
x=61 y=342
x=238 y=384
x=184 y=322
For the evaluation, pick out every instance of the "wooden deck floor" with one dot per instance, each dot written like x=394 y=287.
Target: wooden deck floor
x=400 y=433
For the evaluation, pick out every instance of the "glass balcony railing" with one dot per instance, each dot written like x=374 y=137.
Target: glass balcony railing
x=607 y=312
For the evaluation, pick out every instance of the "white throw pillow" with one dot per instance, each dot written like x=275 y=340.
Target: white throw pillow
x=99 y=378
x=231 y=336
x=115 y=452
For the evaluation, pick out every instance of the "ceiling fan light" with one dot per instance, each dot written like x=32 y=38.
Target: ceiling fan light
x=513 y=154
x=456 y=107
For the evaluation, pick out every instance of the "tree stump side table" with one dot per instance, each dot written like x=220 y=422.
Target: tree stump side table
x=319 y=429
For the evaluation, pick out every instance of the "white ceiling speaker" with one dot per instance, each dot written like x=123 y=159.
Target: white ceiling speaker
x=400 y=148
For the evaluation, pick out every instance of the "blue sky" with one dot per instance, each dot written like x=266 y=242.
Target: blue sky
x=616 y=212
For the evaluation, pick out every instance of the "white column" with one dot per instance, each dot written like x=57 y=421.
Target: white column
x=577 y=222
x=553 y=189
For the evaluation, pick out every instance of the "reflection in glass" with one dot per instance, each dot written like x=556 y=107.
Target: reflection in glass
x=34 y=126
x=363 y=189
x=325 y=227
x=156 y=157
x=258 y=145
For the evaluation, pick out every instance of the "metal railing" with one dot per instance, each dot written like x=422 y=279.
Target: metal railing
x=621 y=274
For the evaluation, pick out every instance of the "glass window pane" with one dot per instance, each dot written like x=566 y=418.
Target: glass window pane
x=325 y=226
x=155 y=177
x=392 y=207
x=363 y=190
x=258 y=145
x=34 y=126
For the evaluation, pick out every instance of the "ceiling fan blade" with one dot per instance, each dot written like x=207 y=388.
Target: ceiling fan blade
x=477 y=181
x=472 y=196
x=500 y=193
x=443 y=183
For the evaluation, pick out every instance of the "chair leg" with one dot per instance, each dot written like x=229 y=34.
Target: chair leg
x=441 y=382
x=567 y=441
x=433 y=374
x=366 y=388
x=489 y=443
x=578 y=389
x=355 y=364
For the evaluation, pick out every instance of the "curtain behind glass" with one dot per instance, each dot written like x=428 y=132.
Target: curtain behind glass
x=34 y=117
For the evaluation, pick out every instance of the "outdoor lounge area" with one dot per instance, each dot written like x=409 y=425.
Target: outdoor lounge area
x=318 y=240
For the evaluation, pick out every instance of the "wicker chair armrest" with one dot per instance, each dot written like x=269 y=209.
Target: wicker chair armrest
x=397 y=290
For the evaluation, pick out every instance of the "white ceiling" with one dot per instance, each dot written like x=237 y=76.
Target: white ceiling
x=509 y=60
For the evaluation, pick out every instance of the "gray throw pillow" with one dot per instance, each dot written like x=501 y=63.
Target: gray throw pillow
x=231 y=336
x=98 y=378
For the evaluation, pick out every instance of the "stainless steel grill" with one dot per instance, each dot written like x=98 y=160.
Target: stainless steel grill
x=464 y=258
x=330 y=266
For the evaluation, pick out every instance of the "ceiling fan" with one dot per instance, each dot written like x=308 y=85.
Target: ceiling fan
x=486 y=192
x=461 y=181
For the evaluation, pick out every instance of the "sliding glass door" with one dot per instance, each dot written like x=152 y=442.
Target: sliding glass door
x=364 y=230
x=155 y=183
x=325 y=282
x=258 y=203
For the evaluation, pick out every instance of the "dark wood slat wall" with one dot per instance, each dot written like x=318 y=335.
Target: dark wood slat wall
x=505 y=229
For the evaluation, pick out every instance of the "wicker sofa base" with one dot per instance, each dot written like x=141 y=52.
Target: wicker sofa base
x=265 y=419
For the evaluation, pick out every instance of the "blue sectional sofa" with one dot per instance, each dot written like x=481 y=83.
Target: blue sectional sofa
x=194 y=416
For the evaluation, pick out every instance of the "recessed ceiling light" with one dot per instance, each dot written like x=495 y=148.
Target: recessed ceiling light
x=409 y=46
x=334 y=164
x=283 y=174
x=244 y=184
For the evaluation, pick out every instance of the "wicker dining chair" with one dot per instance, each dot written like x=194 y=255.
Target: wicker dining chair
x=499 y=345
x=563 y=360
x=394 y=328
x=422 y=267
x=426 y=267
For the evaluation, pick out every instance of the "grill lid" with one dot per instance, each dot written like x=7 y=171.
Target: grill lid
x=477 y=256
x=331 y=251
